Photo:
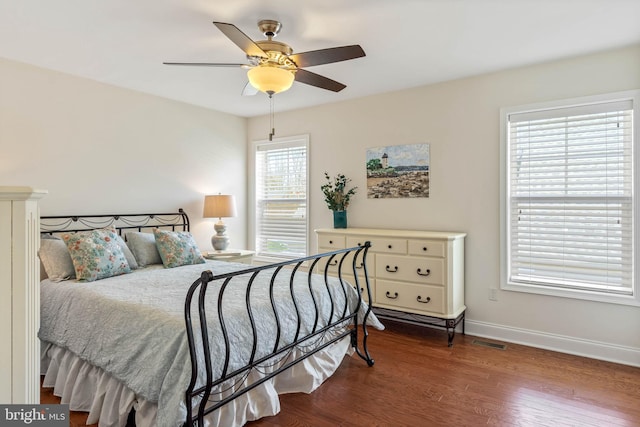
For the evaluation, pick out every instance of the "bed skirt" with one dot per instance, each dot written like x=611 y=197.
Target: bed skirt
x=108 y=401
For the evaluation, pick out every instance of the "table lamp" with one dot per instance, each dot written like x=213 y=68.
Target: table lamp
x=219 y=206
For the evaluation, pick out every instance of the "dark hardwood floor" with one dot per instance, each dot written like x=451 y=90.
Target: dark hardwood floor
x=418 y=381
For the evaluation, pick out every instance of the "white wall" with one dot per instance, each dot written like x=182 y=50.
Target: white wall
x=460 y=120
x=100 y=149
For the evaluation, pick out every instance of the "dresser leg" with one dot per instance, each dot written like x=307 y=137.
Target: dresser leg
x=451 y=331
x=451 y=327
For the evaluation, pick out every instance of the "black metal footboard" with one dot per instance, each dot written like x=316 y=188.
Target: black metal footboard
x=316 y=310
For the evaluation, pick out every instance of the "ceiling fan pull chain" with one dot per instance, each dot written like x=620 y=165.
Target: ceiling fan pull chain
x=271 y=119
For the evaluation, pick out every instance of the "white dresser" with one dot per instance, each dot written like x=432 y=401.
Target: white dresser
x=415 y=276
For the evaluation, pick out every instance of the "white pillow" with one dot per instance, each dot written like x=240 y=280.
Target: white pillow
x=56 y=260
x=143 y=246
x=133 y=264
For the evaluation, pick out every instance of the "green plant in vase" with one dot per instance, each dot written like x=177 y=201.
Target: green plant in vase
x=337 y=197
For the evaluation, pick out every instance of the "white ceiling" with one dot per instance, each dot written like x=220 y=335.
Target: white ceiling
x=408 y=42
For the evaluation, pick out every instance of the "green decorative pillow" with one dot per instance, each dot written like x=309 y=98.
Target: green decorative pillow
x=96 y=254
x=177 y=248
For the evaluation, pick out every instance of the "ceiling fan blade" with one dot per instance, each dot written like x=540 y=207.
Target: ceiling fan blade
x=249 y=90
x=313 y=79
x=327 y=56
x=206 y=64
x=240 y=39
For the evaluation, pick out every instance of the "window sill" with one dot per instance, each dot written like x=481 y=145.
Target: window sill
x=573 y=293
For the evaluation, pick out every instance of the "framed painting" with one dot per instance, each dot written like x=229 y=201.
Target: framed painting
x=398 y=171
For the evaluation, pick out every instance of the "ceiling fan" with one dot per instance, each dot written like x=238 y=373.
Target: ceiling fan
x=273 y=66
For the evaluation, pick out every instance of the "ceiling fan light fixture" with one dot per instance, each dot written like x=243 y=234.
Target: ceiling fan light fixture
x=270 y=79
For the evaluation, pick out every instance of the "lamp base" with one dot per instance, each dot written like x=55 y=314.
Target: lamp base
x=220 y=241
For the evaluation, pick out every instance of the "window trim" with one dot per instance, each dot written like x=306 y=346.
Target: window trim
x=252 y=217
x=634 y=299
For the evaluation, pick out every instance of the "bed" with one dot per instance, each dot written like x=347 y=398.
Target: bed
x=178 y=342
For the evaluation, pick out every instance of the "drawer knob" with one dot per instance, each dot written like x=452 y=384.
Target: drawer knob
x=331 y=242
x=334 y=262
x=428 y=272
x=425 y=301
x=395 y=295
x=390 y=246
x=360 y=265
x=424 y=248
x=392 y=271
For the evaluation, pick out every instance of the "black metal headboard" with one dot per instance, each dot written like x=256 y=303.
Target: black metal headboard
x=63 y=223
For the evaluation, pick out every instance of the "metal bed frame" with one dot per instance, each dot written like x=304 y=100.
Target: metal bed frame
x=342 y=322
x=122 y=222
x=321 y=336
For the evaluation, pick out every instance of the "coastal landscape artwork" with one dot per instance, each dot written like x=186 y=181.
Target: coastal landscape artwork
x=398 y=171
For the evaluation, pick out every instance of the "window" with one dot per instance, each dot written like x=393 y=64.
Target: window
x=568 y=209
x=281 y=226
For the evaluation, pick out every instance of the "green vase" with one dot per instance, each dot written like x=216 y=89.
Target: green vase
x=339 y=219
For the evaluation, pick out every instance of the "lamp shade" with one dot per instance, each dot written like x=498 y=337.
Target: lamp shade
x=219 y=206
x=270 y=79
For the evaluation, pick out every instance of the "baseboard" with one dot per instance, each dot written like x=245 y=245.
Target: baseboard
x=564 y=344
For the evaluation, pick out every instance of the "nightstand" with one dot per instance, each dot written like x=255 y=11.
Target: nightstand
x=231 y=255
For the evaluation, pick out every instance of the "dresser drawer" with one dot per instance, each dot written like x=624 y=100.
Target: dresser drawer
x=380 y=244
x=328 y=242
x=410 y=269
x=426 y=247
x=415 y=297
x=357 y=241
x=347 y=267
x=362 y=283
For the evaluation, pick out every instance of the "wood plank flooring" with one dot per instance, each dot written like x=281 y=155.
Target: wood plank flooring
x=418 y=381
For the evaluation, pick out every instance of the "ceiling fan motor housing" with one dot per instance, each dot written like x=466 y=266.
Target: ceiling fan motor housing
x=277 y=54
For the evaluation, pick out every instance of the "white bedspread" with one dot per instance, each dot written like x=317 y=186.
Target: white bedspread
x=132 y=326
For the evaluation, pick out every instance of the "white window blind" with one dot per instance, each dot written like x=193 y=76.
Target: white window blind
x=281 y=199
x=570 y=198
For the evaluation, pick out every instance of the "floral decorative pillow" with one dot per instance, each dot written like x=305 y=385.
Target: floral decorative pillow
x=96 y=254
x=177 y=248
